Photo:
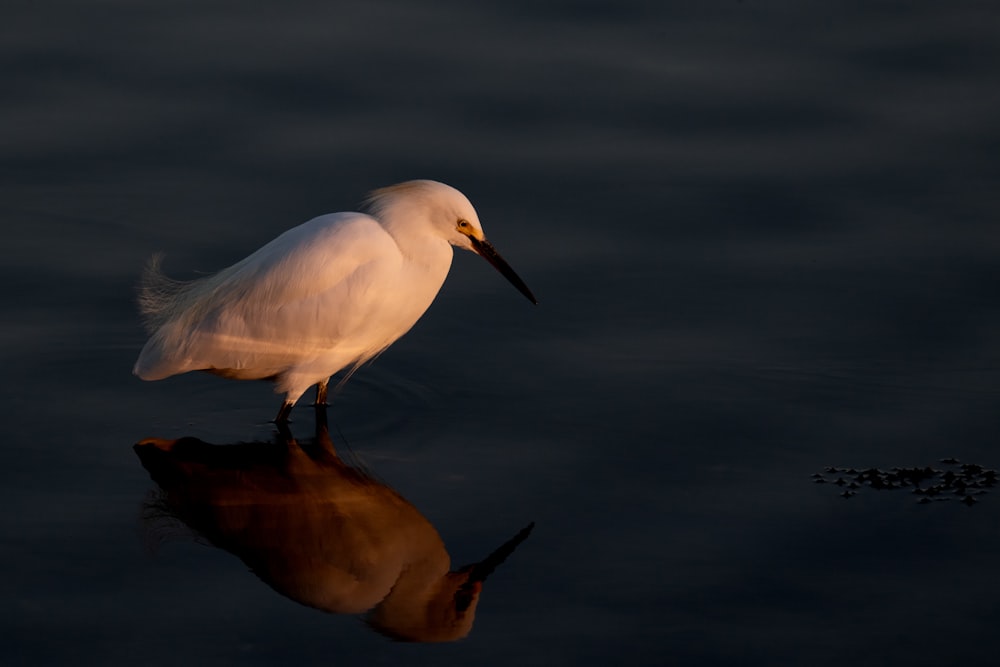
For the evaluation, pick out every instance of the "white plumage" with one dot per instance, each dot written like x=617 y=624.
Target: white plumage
x=327 y=295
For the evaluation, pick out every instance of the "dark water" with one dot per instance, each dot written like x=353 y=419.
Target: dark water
x=765 y=240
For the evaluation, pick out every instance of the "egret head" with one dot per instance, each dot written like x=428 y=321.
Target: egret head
x=427 y=206
x=450 y=216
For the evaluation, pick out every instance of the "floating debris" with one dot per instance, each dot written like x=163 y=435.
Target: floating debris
x=956 y=481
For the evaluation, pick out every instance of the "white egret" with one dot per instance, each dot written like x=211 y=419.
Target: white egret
x=327 y=295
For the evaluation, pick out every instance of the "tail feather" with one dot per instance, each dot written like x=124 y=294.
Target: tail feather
x=157 y=295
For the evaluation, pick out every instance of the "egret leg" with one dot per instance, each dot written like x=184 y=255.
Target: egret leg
x=286 y=409
x=321 y=421
x=321 y=392
x=285 y=433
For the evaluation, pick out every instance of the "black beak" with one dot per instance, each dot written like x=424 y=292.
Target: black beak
x=467 y=592
x=486 y=250
x=485 y=567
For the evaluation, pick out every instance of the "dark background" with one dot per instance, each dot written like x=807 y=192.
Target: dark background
x=764 y=237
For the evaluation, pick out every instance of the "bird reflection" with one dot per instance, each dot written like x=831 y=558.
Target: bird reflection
x=321 y=532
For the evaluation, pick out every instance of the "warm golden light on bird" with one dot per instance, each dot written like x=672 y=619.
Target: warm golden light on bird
x=325 y=296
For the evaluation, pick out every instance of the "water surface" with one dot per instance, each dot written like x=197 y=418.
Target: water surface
x=764 y=240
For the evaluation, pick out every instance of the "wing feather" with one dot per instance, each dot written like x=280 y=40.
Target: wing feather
x=309 y=288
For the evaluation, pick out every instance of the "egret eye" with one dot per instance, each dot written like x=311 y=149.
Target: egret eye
x=464 y=225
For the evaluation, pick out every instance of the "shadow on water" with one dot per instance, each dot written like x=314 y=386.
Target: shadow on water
x=320 y=532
